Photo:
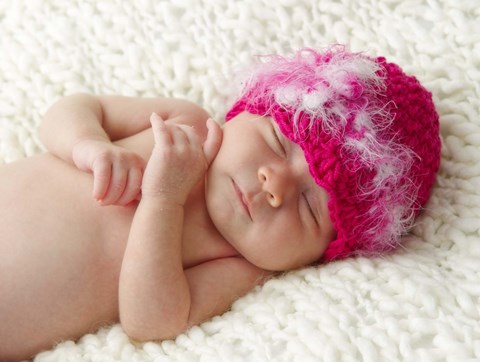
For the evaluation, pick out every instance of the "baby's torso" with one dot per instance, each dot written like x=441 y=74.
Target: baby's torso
x=64 y=251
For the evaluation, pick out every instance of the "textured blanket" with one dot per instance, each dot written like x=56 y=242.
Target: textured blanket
x=420 y=304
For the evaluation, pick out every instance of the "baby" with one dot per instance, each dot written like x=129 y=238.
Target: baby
x=324 y=155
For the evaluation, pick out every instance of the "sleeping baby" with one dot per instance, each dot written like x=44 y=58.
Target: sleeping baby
x=146 y=212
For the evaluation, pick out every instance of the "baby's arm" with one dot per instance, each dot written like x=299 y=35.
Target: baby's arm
x=81 y=129
x=158 y=299
x=153 y=289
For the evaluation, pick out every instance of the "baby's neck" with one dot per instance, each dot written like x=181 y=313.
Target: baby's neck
x=202 y=241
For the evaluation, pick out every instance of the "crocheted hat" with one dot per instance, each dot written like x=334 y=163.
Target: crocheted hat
x=369 y=132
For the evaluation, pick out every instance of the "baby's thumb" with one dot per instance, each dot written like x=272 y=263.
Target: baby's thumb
x=213 y=141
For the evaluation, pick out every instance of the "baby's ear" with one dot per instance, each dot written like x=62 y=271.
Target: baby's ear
x=213 y=140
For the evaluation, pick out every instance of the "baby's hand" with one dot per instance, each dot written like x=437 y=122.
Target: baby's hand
x=178 y=160
x=117 y=171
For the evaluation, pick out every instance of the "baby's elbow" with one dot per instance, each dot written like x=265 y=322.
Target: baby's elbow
x=139 y=335
x=145 y=332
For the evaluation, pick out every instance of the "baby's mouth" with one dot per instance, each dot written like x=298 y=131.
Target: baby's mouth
x=242 y=199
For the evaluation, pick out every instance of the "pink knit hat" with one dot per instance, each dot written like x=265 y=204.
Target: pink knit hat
x=369 y=132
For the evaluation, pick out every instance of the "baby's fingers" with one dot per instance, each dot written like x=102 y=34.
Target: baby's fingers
x=132 y=188
x=213 y=141
x=184 y=134
x=160 y=131
x=102 y=173
x=116 y=187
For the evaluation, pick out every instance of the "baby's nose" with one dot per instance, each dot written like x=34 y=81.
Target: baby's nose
x=276 y=183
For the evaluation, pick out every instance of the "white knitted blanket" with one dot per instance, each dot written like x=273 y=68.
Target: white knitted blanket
x=420 y=304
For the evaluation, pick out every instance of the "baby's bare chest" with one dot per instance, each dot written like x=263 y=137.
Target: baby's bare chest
x=46 y=205
x=50 y=226
x=70 y=249
x=47 y=216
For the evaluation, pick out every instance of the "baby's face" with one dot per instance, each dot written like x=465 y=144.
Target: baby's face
x=263 y=199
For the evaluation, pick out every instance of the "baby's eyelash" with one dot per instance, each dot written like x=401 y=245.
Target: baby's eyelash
x=310 y=209
x=278 y=140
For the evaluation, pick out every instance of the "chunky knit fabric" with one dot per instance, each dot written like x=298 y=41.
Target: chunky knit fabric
x=369 y=132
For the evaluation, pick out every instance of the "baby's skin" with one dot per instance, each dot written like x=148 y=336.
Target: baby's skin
x=145 y=212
